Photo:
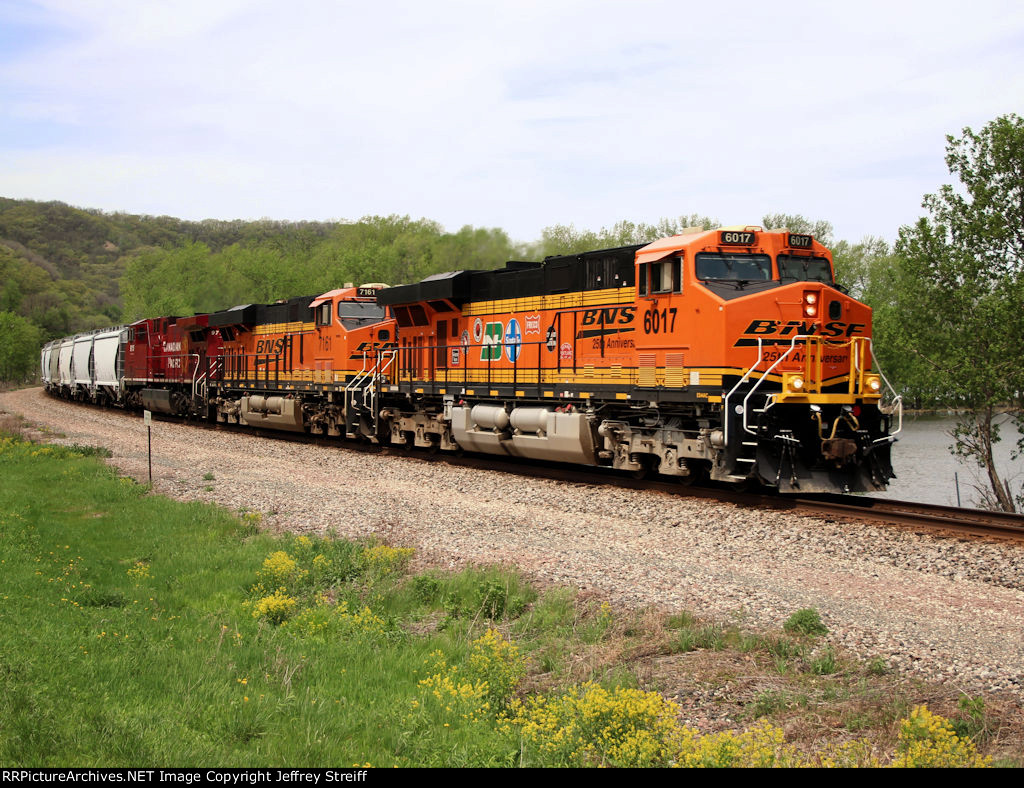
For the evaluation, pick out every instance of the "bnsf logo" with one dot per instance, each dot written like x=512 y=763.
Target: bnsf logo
x=369 y=347
x=836 y=328
x=270 y=346
x=616 y=314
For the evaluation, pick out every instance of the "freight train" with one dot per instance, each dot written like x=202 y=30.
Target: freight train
x=728 y=354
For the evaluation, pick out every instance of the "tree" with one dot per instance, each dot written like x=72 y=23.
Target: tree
x=822 y=230
x=19 y=348
x=959 y=287
x=562 y=239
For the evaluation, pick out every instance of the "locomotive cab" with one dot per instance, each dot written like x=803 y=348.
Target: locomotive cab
x=806 y=413
x=744 y=340
x=349 y=328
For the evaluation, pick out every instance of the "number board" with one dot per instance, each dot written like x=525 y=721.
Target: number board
x=366 y=292
x=800 y=241
x=735 y=238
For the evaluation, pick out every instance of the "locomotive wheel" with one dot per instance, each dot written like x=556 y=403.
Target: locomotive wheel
x=646 y=466
x=698 y=474
x=687 y=481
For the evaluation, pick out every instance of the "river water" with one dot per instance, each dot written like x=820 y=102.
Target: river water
x=927 y=471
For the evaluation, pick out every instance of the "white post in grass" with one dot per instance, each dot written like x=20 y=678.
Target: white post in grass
x=147 y=419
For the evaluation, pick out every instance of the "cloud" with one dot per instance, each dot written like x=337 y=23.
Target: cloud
x=518 y=115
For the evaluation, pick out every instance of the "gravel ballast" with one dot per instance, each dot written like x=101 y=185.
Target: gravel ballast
x=941 y=608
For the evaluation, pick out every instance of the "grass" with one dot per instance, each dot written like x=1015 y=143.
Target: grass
x=139 y=630
x=102 y=666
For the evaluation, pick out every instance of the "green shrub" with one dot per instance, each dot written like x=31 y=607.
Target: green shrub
x=972 y=722
x=494 y=596
x=805 y=622
x=425 y=588
x=491 y=593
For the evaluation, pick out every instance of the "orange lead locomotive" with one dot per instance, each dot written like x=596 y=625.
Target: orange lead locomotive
x=729 y=354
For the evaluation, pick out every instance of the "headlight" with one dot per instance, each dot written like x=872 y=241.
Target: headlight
x=810 y=303
x=796 y=383
x=875 y=384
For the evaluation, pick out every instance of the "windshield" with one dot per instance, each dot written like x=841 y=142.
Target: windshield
x=805 y=269
x=733 y=267
x=354 y=314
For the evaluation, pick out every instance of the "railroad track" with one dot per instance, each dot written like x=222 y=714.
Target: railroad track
x=861 y=508
x=911 y=513
x=905 y=514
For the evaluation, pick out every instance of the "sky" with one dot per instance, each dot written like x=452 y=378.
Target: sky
x=518 y=115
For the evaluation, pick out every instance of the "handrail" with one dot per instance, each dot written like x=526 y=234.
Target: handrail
x=516 y=373
x=856 y=376
x=740 y=382
x=764 y=376
x=357 y=379
x=897 y=402
x=194 y=372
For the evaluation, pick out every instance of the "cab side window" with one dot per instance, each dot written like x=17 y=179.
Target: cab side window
x=667 y=276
